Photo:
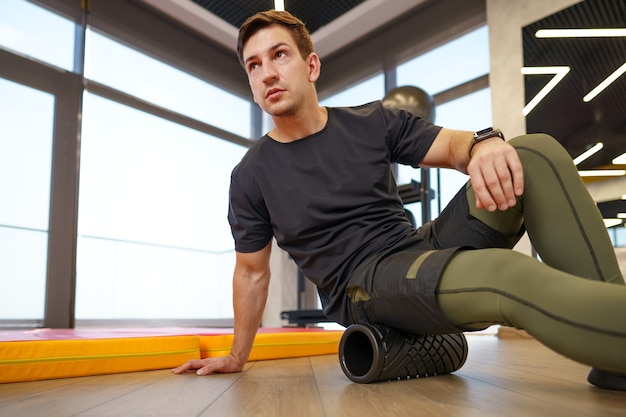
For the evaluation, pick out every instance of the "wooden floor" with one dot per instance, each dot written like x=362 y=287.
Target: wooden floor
x=502 y=377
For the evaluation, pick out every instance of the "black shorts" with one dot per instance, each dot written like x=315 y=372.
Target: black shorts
x=397 y=286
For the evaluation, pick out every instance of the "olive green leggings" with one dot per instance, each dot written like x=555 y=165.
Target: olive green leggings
x=573 y=300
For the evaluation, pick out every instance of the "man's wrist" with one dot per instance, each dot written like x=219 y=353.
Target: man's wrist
x=239 y=360
x=482 y=135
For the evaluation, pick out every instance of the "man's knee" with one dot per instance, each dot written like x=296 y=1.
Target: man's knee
x=539 y=141
x=542 y=145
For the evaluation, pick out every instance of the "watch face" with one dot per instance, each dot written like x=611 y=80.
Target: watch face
x=482 y=132
x=487 y=133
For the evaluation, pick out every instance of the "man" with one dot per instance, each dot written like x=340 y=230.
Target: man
x=321 y=183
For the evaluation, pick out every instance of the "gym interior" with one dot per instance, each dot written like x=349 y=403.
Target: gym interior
x=121 y=122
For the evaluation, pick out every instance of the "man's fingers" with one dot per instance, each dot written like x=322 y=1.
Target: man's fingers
x=517 y=173
x=482 y=188
x=188 y=366
x=208 y=366
x=497 y=179
x=503 y=191
x=205 y=370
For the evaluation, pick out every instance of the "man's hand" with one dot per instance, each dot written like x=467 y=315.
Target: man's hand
x=226 y=364
x=496 y=174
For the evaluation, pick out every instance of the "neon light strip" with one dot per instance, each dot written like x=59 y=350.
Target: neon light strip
x=604 y=84
x=279 y=5
x=612 y=222
x=602 y=173
x=591 y=151
x=581 y=33
x=620 y=160
x=559 y=74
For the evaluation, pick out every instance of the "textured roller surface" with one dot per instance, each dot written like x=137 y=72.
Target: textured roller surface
x=380 y=353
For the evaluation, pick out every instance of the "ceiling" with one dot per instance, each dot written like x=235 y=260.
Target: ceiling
x=333 y=24
x=314 y=14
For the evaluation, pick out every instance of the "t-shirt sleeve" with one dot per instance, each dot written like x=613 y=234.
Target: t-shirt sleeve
x=249 y=221
x=409 y=136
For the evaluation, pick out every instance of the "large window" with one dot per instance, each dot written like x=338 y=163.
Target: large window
x=153 y=195
x=152 y=218
x=364 y=92
x=151 y=239
x=26 y=122
x=125 y=69
x=36 y=32
x=471 y=112
x=449 y=65
x=435 y=72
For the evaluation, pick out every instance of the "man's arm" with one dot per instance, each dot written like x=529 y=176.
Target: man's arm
x=250 y=283
x=494 y=168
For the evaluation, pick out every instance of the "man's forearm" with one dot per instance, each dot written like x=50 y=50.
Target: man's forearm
x=449 y=150
x=249 y=296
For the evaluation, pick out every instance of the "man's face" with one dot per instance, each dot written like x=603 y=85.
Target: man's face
x=280 y=79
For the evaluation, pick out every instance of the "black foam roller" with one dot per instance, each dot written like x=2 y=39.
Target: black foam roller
x=380 y=353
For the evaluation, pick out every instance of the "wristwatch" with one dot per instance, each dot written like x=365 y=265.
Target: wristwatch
x=485 y=134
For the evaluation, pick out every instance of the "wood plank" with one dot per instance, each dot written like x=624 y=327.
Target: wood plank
x=541 y=375
x=342 y=397
x=65 y=400
x=498 y=379
x=271 y=388
x=168 y=395
x=22 y=390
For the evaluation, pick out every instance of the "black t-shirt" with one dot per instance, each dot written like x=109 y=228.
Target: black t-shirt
x=330 y=199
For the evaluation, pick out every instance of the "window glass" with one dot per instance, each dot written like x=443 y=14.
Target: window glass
x=449 y=65
x=111 y=63
x=618 y=237
x=34 y=31
x=154 y=239
x=26 y=123
x=364 y=92
x=471 y=112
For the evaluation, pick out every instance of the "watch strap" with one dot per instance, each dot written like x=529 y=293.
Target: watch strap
x=485 y=134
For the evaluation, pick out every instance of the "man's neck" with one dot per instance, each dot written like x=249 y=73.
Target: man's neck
x=297 y=126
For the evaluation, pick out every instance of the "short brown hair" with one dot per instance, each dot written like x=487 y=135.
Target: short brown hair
x=261 y=20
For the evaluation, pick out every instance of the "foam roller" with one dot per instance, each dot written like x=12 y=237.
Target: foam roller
x=380 y=353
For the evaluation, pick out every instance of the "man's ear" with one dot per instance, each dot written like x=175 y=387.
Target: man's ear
x=315 y=66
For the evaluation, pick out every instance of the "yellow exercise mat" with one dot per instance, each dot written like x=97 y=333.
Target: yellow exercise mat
x=61 y=353
x=276 y=343
x=31 y=360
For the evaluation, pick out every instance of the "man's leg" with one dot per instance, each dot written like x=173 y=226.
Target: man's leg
x=562 y=220
x=583 y=319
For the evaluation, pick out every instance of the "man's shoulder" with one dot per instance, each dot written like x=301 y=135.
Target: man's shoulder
x=252 y=155
x=366 y=115
x=360 y=110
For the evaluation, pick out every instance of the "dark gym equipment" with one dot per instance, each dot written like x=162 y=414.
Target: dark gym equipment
x=380 y=353
x=412 y=99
